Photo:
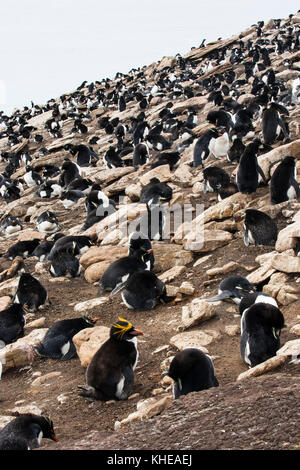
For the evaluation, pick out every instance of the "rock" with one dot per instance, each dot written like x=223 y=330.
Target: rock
x=21 y=352
x=201 y=260
x=38 y=323
x=278 y=278
x=183 y=257
x=196 y=102
x=264 y=367
x=286 y=264
x=88 y=341
x=227 y=268
x=290 y=348
x=27 y=409
x=30 y=235
x=261 y=274
x=187 y=288
x=9 y=287
x=194 y=339
x=264 y=258
x=133 y=191
x=288 y=237
x=285 y=298
x=183 y=175
x=172 y=291
x=102 y=253
x=232 y=330
x=172 y=273
x=94 y=272
x=199 y=311
x=90 y=304
x=209 y=240
x=268 y=160
x=160 y=349
x=295 y=329
x=45 y=379
x=146 y=409
x=161 y=172
x=5 y=302
x=42 y=267
x=113 y=237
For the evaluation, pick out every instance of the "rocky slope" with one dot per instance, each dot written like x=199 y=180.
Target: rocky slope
x=246 y=411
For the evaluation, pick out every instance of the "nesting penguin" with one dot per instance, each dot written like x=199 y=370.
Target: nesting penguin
x=233 y=287
x=283 y=184
x=32 y=178
x=10 y=224
x=57 y=343
x=143 y=290
x=260 y=228
x=47 y=222
x=138 y=241
x=110 y=374
x=201 y=148
x=192 y=371
x=70 y=197
x=30 y=293
x=261 y=325
x=26 y=432
x=272 y=124
x=23 y=248
x=12 y=324
x=215 y=178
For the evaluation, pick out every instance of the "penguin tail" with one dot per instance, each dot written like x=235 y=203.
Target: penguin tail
x=224 y=295
x=117 y=289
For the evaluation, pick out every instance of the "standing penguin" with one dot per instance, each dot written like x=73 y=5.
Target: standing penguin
x=247 y=177
x=30 y=293
x=64 y=263
x=138 y=241
x=283 y=184
x=141 y=291
x=201 y=148
x=12 y=324
x=256 y=297
x=32 y=178
x=272 y=124
x=140 y=155
x=260 y=333
x=220 y=145
x=192 y=371
x=57 y=343
x=233 y=287
x=155 y=192
x=69 y=172
x=260 y=229
x=26 y=431
x=110 y=374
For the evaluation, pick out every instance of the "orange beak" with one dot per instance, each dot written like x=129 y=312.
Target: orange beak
x=95 y=319
x=137 y=332
x=150 y=251
x=54 y=437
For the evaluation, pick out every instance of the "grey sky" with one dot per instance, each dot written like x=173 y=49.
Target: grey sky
x=49 y=47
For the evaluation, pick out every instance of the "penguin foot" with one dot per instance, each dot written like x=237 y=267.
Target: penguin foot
x=87 y=393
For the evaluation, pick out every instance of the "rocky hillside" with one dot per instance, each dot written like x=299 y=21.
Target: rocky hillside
x=173 y=100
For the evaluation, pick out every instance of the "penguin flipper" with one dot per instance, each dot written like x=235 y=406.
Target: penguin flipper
x=117 y=288
x=71 y=353
x=224 y=295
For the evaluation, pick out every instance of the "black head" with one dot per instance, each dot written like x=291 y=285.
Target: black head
x=123 y=330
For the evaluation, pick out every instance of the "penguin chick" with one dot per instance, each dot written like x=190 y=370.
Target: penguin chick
x=110 y=374
x=192 y=371
x=30 y=293
x=25 y=432
x=12 y=324
x=260 y=333
x=142 y=291
x=58 y=343
x=233 y=287
x=260 y=229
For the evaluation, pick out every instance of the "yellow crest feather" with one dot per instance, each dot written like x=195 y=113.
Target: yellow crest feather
x=123 y=328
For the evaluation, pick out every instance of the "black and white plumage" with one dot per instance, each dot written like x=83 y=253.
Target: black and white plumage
x=155 y=192
x=192 y=371
x=85 y=156
x=69 y=172
x=201 y=148
x=32 y=178
x=49 y=189
x=138 y=241
x=256 y=297
x=76 y=244
x=110 y=374
x=247 y=177
x=47 y=222
x=166 y=158
x=10 y=224
x=283 y=184
x=215 y=178
x=260 y=228
x=140 y=154
x=57 y=343
x=64 y=263
x=26 y=431
x=70 y=197
x=219 y=146
x=31 y=294
x=12 y=322
x=111 y=159
x=272 y=124
x=261 y=325
x=23 y=248
x=233 y=287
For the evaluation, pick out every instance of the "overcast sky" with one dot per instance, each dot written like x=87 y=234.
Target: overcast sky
x=48 y=48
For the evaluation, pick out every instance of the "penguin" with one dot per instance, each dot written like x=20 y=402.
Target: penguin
x=272 y=124
x=261 y=325
x=138 y=241
x=12 y=322
x=155 y=192
x=26 y=432
x=158 y=142
x=57 y=343
x=121 y=103
x=220 y=118
x=23 y=248
x=140 y=155
x=236 y=150
x=32 y=178
x=70 y=197
x=10 y=224
x=97 y=198
x=233 y=287
x=91 y=219
x=64 y=263
x=260 y=228
x=256 y=297
x=76 y=244
x=247 y=177
x=192 y=371
x=80 y=184
x=69 y=172
x=227 y=191
x=215 y=178
x=110 y=374
x=166 y=158
x=118 y=271
x=141 y=291
x=219 y=146
x=111 y=159
x=85 y=155
x=201 y=148
x=47 y=222
x=43 y=249
x=30 y=293
x=283 y=184
x=49 y=189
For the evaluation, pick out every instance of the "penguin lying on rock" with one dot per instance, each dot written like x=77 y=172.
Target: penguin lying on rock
x=192 y=371
x=25 y=432
x=58 y=343
x=10 y=224
x=233 y=287
x=110 y=374
x=155 y=192
x=261 y=325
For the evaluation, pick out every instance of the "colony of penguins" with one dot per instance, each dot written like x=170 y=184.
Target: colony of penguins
x=249 y=114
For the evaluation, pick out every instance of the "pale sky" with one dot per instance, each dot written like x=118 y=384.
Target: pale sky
x=48 y=48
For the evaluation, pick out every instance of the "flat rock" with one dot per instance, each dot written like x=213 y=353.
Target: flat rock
x=90 y=304
x=290 y=348
x=194 y=339
x=5 y=302
x=102 y=253
x=45 y=379
x=88 y=341
x=172 y=273
x=199 y=311
x=161 y=172
x=286 y=264
x=261 y=274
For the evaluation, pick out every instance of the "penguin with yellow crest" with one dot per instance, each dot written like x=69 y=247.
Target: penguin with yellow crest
x=110 y=374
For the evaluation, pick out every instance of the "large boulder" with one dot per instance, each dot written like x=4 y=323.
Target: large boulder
x=88 y=341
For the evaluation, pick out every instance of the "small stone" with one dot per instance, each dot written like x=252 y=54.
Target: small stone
x=44 y=379
x=161 y=348
x=187 y=288
x=172 y=273
x=133 y=396
x=295 y=329
x=5 y=302
x=39 y=323
x=90 y=304
x=232 y=330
